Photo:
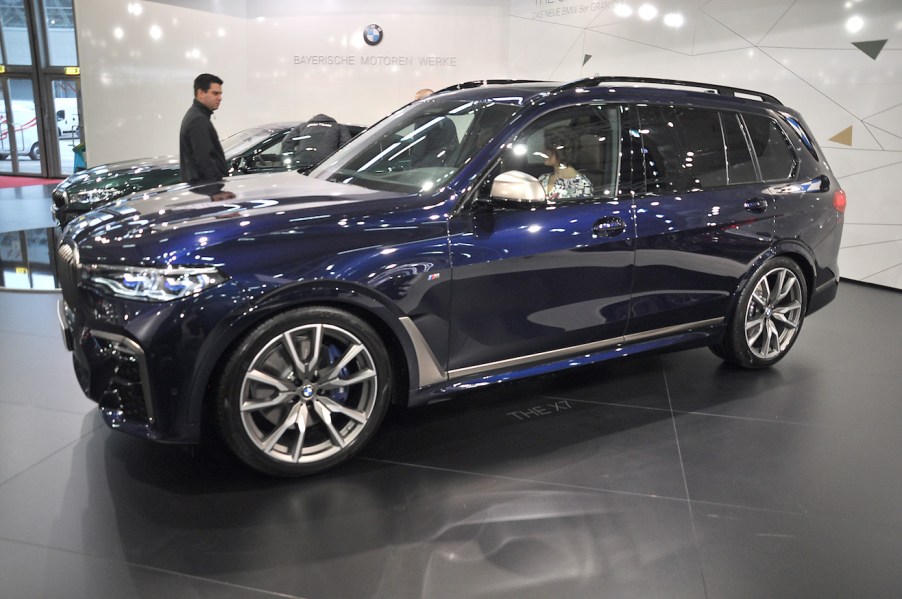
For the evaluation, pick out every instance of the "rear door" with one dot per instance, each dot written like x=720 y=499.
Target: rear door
x=702 y=220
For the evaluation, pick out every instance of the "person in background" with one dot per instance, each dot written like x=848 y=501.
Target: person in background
x=308 y=144
x=201 y=157
x=564 y=181
x=440 y=138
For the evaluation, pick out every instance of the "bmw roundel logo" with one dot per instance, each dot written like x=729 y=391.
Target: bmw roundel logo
x=372 y=35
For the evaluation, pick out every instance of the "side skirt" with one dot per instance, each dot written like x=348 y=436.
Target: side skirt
x=678 y=337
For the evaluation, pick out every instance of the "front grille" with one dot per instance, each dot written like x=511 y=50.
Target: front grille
x=67 y=267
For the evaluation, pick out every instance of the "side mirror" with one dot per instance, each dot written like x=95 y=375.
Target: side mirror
x=518 y=188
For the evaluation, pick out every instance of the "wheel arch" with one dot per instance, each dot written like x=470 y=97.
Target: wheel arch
x=804 y=258
x=792 y=250
x=362 y=302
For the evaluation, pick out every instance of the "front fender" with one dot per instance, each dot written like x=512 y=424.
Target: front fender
x=365 y=302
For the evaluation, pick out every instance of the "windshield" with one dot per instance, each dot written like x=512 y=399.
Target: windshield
x=241 y=142
x=418 y=148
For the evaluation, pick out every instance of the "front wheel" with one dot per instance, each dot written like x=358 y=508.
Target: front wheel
x=304 y=391
x=35 y=152
x=768 y=316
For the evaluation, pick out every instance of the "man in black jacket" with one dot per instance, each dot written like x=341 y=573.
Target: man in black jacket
x=307 y=144
x=200 y=153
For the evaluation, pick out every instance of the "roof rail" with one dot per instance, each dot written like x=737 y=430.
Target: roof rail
x=481 y=82
x=709 y=87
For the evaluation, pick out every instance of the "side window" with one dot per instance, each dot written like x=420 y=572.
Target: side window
x=573 y=152
x=268 y=157
x=775 y=157
x=683 y=149
x=740 y=164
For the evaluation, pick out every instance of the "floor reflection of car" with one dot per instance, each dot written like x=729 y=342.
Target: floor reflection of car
x=254 y=150
x=483 y=234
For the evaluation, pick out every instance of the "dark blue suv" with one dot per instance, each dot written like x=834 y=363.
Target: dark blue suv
x=486 y=233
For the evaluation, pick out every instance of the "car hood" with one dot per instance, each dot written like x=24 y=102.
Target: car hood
x=105 y=175
x=127 y=230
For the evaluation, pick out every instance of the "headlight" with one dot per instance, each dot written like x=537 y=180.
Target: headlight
x=95 y=196
x=152 y=284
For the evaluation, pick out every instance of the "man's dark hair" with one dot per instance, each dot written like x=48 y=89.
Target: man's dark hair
x=202 y=82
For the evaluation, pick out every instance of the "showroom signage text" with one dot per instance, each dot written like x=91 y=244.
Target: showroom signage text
x=544 y=410
x=548 y=9
x=351 y=60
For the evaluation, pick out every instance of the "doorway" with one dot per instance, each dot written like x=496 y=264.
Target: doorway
x=40 y=123
x=20 y=144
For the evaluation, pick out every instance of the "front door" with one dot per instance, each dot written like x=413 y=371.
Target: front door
x=532 y=283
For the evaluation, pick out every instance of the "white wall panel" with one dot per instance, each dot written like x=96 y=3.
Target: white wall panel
x=139 y=61
x=801 y=51
x=137 y=87
x=427 y=45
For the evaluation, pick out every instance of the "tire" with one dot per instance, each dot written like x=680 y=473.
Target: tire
x=35 y=152
x=768 y=316
x=304 y=391
x=3 y=155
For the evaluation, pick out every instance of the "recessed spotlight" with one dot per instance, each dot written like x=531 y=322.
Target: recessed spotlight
x=854 y=24
x=623 y=10
x=674 y=19
x=647 y=12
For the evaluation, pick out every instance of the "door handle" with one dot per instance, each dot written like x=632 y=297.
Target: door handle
x=609 y=226
x=756 y=205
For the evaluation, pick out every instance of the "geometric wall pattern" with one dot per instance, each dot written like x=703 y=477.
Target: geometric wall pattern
x=838 y=63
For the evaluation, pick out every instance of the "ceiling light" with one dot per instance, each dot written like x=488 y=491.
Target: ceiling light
x=623 y=10
x=854 y=24
x=647 y=12
x=674 y=19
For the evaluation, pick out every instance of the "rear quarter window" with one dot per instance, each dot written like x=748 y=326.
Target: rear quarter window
x=803 y=135
x=776 y=160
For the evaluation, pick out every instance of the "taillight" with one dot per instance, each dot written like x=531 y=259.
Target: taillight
x=839 y=200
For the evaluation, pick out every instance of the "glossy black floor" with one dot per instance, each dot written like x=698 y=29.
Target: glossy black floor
x=661 y=476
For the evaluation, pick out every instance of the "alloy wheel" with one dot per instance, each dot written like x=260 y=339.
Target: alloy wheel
x=308 y=393
x=773 y=314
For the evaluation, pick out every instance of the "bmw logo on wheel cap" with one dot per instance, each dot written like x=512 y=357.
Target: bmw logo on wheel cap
x=372 y=35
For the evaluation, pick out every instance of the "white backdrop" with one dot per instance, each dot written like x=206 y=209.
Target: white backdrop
x=280 y=60
x=801 y=51
x=286 y=60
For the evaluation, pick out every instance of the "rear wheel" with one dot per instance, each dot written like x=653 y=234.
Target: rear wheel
x=304 y=391
x=35 y=152
x=768 y=316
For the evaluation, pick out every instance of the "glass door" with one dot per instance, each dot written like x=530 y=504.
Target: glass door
x=67 y=112
x=20 y=139
x=40 y=124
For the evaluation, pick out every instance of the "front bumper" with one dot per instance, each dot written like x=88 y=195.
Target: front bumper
x=112 y=370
